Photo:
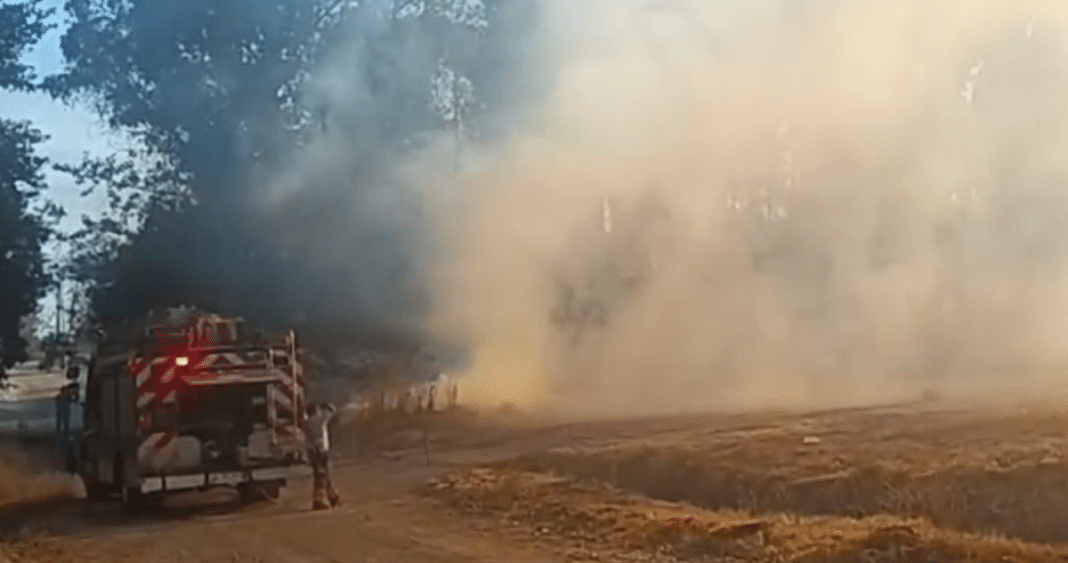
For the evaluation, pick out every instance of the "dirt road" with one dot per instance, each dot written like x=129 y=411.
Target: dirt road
x=902 y=483
x=384 y=518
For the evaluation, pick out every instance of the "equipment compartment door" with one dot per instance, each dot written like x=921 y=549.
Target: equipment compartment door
x=225 y=418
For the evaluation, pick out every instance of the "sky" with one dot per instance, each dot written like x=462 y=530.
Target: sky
x=72 y=131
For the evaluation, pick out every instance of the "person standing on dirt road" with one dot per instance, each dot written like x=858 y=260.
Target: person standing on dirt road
x=317 y=430
x=65 y=399
x=72 y=367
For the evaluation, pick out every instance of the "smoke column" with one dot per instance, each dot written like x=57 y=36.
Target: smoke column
x=812 y=203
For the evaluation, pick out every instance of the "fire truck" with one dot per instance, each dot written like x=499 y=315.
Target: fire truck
x=188 y=400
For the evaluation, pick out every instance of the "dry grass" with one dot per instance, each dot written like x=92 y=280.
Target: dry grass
x=24 y=491
x=30 y=552
x=595 y=516
x=371 y=436
x=1004 y=474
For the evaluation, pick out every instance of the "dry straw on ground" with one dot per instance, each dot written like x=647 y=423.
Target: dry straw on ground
x=588 y=515
x=24 y=490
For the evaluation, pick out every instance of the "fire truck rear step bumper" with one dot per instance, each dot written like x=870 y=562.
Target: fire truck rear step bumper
x=182 y=482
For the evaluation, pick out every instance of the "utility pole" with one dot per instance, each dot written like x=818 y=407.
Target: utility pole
x=59 y=308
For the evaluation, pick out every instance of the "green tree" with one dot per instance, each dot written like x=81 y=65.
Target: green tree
x=23 y=227
x=219 y=94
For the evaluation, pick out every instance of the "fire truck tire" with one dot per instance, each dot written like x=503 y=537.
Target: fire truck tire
x=252 y=492
x=97 y=492
x=272 y=490
x=132 y=500
x=248 y=493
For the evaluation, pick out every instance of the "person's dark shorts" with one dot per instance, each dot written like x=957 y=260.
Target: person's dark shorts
x=319 y=460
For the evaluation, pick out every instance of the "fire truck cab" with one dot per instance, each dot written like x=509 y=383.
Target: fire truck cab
x=189 y=401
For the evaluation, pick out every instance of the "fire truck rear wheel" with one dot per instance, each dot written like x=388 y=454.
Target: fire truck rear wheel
x=273 y=489
x=132 y=500
x=250 y=492
x=97 y=492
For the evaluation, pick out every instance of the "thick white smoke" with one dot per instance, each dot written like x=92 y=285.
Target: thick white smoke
x=857 y=200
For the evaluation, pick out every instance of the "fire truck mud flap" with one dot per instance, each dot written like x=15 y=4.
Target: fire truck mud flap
x=221 y=479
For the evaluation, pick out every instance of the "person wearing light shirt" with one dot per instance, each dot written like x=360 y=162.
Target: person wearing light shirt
x=316 y=428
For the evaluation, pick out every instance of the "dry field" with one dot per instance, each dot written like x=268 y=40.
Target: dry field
x=974 y=471
x=27 y=487
x=908 y=483
x=594 y=522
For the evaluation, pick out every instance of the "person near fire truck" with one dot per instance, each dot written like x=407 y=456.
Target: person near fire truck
x=66 y=398
x=316 y=428
x=73 y=371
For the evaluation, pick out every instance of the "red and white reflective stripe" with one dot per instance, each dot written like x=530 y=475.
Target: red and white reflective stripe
x=143 y=374
x=293 y=386
x=223 y=359
x=218 y=379
x=143 y=399
x=157 y=439
x=143 y=371
x=158 y=383
x=279 y=397
x=285 y=402
x=169 y=373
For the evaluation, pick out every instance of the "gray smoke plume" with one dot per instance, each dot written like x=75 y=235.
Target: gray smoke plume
x=400 y=91
x=735 y=204
x=632 y=206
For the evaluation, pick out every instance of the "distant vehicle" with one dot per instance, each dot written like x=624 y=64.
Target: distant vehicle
x=188 y=400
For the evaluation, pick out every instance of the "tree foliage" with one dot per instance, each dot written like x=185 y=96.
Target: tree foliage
x=23 y=228
x=222 y=98
x=21 y=25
